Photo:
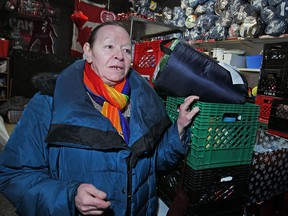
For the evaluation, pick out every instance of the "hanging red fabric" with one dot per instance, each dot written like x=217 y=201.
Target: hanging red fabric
x=78 y=17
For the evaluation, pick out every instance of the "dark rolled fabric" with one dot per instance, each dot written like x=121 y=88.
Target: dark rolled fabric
x=186 y=71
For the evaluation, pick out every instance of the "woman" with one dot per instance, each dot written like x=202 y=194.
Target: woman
x=94 y=146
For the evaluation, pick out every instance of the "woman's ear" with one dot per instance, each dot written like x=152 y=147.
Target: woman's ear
x=87 y=52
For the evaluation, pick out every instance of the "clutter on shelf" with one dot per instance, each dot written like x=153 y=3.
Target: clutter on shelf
x=220 y=20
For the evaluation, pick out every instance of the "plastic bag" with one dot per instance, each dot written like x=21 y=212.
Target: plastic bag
x=276 y=27
x=225 y=19
x=241 y=11
x=206 y=22
x=221 y=5
x=268 y=14
x=217 y=32
x=274 y=2
x=250 y=28
x=234 y=31
x=282 y=10
x=193 y=3
x=258 y=5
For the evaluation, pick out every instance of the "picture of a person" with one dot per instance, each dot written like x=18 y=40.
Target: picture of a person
x=44 y=33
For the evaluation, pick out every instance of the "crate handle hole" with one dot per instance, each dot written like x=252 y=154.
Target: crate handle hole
x=226 y=179
x=231 y=117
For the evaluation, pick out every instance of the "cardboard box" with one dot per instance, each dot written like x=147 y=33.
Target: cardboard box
x=235 y=60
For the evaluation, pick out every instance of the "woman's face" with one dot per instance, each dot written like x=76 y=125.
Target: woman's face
x=110 y=56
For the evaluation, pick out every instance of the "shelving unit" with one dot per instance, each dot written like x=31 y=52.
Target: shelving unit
x=4 y=79
x=140 y=28
x=252 y=46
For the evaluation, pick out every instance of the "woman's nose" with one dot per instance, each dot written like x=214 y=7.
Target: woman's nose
x=119 y=55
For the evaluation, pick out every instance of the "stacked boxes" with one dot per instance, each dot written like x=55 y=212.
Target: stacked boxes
x=265 y=103
x=222 y=134
x=273 y=87
x=270 y=168
x=146 y=57
x=278 y=120
x=4 y=48
x=216 y=191
x=219 y=160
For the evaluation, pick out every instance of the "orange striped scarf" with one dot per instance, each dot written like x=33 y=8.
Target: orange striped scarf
x=114 y=101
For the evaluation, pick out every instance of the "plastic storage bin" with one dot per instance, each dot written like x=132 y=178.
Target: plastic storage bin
x=14 y=116
x=235 y=60
x=275 y=56
x=4 y=48
x=146 y=57
x=265 y=103
x=269 y=174
x=274 y=73
x=221 y=134
x=210 y=191
x=254 y=62
x=273 y=82
x=278 y=120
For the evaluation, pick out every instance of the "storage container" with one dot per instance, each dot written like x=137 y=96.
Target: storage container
x=221 y=134
x=235 y=60
x=210 y=191
x=265 y=103
x=274 y=73
x=273 y=82
x=269 y=174
x=146 y=57
x=14 y=116
x=254 y=62
x=275 y=56
x=4 y=48
x=278 y=121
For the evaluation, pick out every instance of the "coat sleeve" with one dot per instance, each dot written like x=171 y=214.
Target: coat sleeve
x=171 y=148
x=24 y=166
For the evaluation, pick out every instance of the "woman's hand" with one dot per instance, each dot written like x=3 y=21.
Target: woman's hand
x=90 y=201
x=185 y=114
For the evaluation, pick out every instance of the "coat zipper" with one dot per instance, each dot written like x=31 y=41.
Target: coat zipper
x=129 y=187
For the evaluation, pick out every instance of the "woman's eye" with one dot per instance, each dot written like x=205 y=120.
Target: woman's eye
x=127 y=51
x=109 y=46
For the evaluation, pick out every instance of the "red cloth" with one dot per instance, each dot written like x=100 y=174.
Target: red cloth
x=82 y=30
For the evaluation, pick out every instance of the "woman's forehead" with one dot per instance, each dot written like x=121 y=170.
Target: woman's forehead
x=113 y=32
x=112 y=28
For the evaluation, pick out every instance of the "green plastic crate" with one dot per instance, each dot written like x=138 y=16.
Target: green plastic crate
x=221 y=134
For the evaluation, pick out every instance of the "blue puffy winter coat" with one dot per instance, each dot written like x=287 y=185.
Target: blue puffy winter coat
x=62 y=141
